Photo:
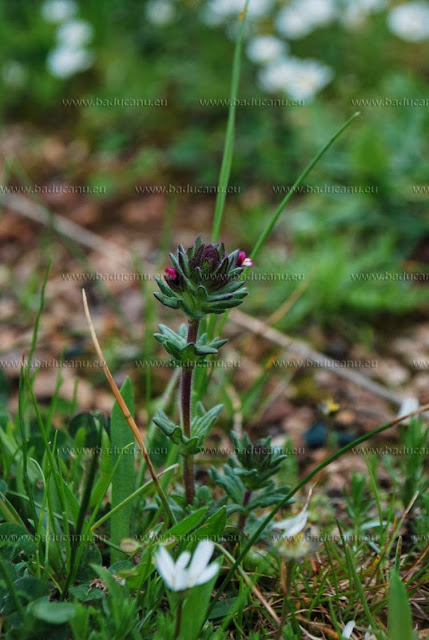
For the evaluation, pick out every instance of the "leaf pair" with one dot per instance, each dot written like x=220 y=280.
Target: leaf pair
x=201 y=425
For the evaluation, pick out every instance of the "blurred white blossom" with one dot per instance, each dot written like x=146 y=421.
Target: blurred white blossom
x=75 y=33
x=65 y=61
x=348 y=629
x=294 y=544
x=160 y=12
x=218 y=11
x=410 y=21
x=303 y=16
x=14 y=73
x=321 y=12
x=58 y=10
x=300 y=79
x=292 y=23
x=182 y=575
x=265 y=48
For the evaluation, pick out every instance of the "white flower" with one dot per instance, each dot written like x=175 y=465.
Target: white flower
x=320 y=12
x=259 y=8
x=160 y=12
x=64 y=62
x=410 y=21
x=300 y=79
x=293 y=544
x=293 y=24
x=409 y=404
x=278 y=75
x=348 y=629
x=218 y=11
x=75 y=33
x=178 y=576
x=296 y=524
x=302 y=17
x=58 y=10
x=14 y=73
x=265 y=48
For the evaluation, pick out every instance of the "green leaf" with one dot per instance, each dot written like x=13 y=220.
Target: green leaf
x=27 y=589
x=230 y=482
x=195 y=611
x=91 y=555
x=188 y=523
x=203 y=421
x=86 y=593
x=187 y=446
x=268 y=498
x=14 y=539
x=124 y=478
x=53 y=612
x=400 y=626
x=212 y=529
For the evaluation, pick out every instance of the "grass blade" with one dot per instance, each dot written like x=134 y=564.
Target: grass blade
x=296 y=184
x=123 y=480
x=225 y=169
x=399 y=615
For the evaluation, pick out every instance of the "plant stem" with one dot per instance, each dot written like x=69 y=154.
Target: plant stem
x=290 y=566
x=243 y=517
x=178 y=619
x=186 y=402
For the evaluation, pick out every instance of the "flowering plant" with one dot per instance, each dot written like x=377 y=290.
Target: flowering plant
x=204 y=279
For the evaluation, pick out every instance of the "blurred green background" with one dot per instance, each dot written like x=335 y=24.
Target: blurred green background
x=73 y=70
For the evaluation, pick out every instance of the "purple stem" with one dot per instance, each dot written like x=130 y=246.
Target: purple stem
x=186 y=398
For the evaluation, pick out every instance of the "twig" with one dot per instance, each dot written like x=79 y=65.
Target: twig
x=62 y=225
x=126 y=412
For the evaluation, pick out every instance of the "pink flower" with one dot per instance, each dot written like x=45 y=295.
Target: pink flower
x=243 y=260
x=171 y=273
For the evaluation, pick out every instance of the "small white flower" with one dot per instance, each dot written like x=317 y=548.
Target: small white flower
x=296 y=524
x=348 y=629
x=259 y=8
x=14 y=73
x=301 y=18
x=178 y=576
x=160 y=12
x=64 y=62
x=300 y=79
x=410 y=21
x=265 y=48
x=278 y=74
x=58 y=10
x=75 y=33
x=320 y=12
x=409 y=404
x=293 y=544
x=218 y=11
x=293 y=24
